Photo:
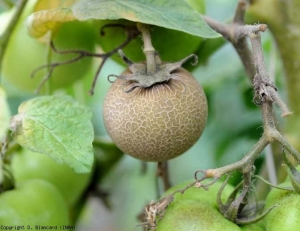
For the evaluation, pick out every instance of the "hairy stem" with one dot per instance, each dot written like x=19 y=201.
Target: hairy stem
x=10 y=27
x=239 y=165
x=149 y=50
x=236 y=33
x=258 y=55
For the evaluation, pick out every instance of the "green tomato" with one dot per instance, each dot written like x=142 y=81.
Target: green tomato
x=30 y=165
x=197 y=210
x=171 y=45
x=194 y=215
x=33 y=203
x=201 y=195
x=259 y=226
x=285 y=217
x=24 y=54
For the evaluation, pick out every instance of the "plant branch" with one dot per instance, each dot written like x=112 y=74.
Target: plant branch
x=239 y=165
x=4 y=38
x=80 y=54
x=236 y=33
x=264 y=88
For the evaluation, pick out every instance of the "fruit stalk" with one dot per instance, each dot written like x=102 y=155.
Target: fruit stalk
x=148 y=50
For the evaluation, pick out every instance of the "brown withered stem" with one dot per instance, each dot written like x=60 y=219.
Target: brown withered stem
x=132 y=33
x=264 y=88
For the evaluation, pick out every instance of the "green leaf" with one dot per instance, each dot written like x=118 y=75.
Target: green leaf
x=4 y=113
x=56 y=126
x=175 y=14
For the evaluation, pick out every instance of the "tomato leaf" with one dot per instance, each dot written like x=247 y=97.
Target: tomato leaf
x=56 y=126
x=4 y=113
x=175 y=14
x=46 y=5
x=40 y=22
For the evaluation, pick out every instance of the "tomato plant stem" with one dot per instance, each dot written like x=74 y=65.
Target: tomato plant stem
x=149 y=50
x=264 y=89
x=10 y=27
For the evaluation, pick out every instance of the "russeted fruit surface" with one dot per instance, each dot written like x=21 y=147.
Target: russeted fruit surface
x=158 y=122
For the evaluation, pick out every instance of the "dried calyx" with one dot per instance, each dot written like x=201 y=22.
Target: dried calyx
x=140 y=77
x=237 y=207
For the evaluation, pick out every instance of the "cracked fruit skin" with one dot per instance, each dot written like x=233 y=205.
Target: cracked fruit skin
x=157 y=123
x=31 y=203
x=28 y=165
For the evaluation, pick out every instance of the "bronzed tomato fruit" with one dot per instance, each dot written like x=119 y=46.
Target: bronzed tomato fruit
x=159 y=122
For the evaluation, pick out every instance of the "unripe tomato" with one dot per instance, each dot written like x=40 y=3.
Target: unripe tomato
x=28 y=165
x=196 y=209
x=24 y=54
x=194 y=216
x=32 y=203
x=200 y=194
x=285 y=217
x=157 y=123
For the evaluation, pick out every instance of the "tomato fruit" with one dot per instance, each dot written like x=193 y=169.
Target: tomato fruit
x=31 y=203
x=24 y=54
x=285 y=217
x=197 y=210
x=192 y=215
x=200 y=194
x=30 y=165
x=157 y=123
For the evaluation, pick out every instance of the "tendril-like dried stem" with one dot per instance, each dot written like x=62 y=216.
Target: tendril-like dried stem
x=131 y=34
